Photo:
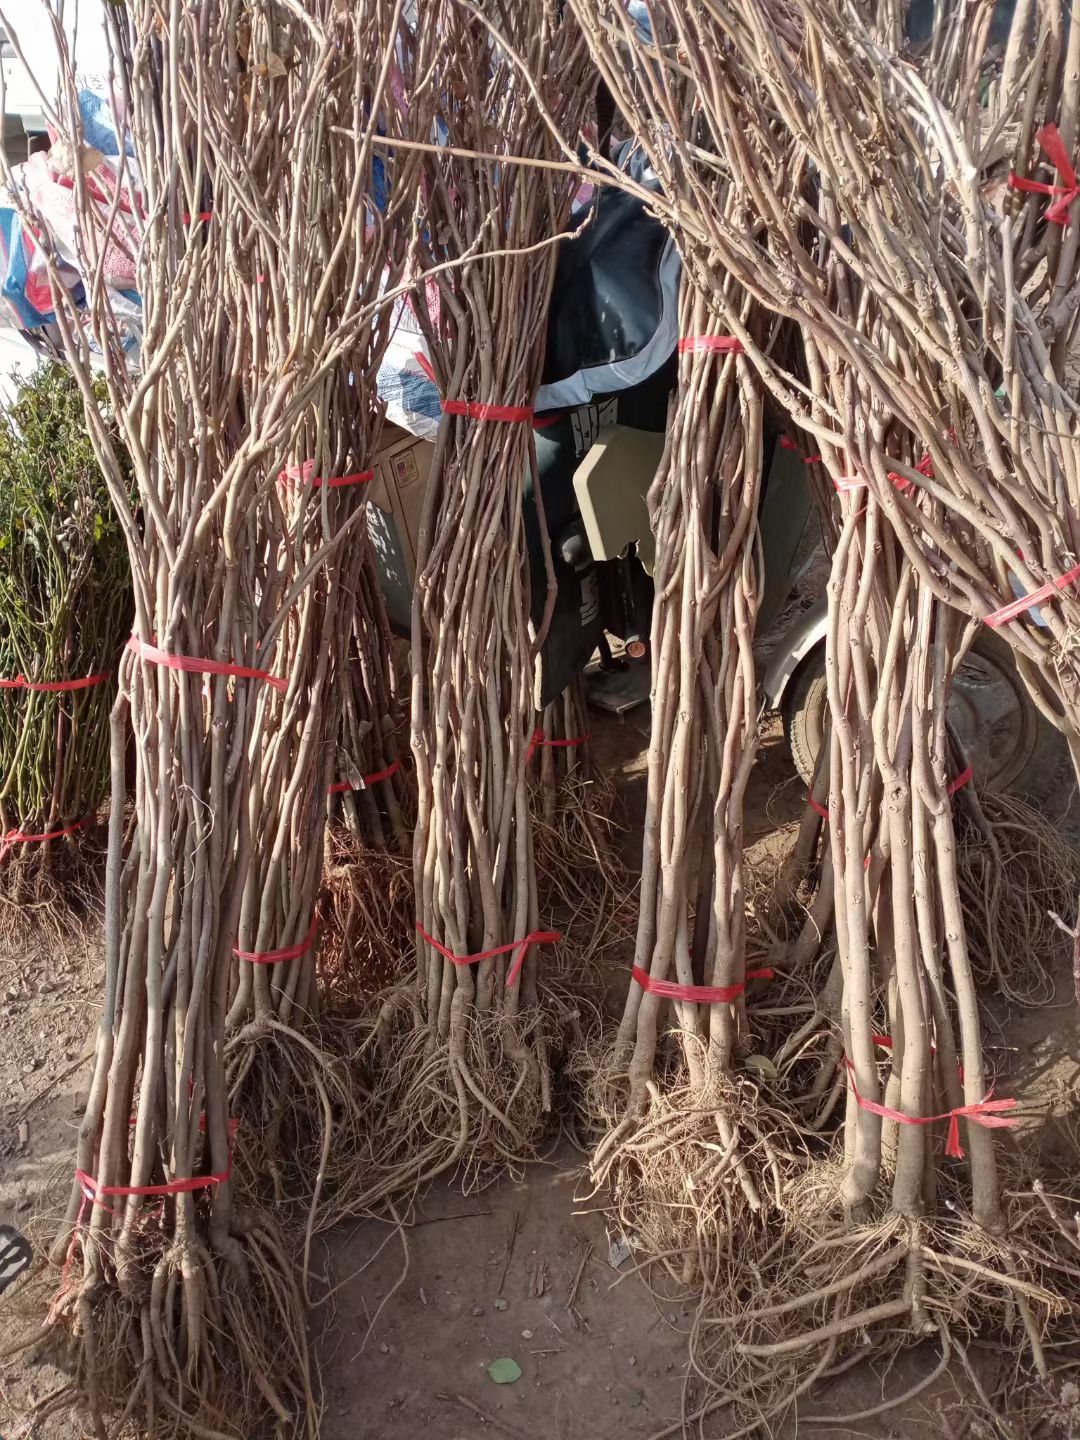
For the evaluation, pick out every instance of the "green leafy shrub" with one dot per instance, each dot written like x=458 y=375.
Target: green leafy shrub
x=65 y=611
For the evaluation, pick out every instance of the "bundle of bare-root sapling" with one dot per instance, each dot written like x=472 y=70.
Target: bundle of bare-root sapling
x=894 y=1239
x=461 y=1060
x=347 y=205
x=370 y=784
x=180 y=1291
x=690 y=1152
x=583 y=883
x=901 y=1234
x=367 y=908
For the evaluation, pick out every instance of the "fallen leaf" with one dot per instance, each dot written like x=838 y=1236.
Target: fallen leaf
x=763 y=1066
x=504 y=1371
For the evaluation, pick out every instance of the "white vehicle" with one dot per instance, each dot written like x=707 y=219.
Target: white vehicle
x=32 y=70
x=23 y=113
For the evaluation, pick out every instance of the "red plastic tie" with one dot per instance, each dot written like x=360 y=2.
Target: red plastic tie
x=985 y=1112
x=711 y=344
x=788 y=444
x=957 y=784
x=1027 y=602
x=191 y=665
x=53 y=686
x=535 y=937
x=477 y=410
x=844 y=483
x=960 y=781
x=93 y=1191
x=538 y=740
x=816 y=805
x=703 y=994
x=18 y=837
x=1050 y=140
x=366 y=781
x=305 y=477
x=426 y=366
x=278 y=957
x=925 y=466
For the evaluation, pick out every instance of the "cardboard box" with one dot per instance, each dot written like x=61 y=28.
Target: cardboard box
x=397 y=499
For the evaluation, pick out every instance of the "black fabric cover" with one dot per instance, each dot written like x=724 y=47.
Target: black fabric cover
x=606 y=300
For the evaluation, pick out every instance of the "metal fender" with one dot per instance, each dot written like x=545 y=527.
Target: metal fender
x=799 y=639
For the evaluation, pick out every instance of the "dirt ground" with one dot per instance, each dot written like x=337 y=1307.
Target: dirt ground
x=409 y=1321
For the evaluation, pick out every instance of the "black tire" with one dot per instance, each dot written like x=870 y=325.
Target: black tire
x=15 y=1256
x=803 y=709
x=990 y=711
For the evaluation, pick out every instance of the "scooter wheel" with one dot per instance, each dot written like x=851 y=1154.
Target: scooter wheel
x=989 y=712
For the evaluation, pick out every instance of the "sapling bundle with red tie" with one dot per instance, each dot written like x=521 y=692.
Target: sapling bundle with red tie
x=583 y=882
x=262 y=215
x=367 y=910
x=461 y=1056
x=359 y=208
x=920 y=369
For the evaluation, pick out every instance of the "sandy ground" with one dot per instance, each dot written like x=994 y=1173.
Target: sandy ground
x=410 y=1321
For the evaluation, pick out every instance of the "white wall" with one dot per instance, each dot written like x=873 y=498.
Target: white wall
x=84 y=25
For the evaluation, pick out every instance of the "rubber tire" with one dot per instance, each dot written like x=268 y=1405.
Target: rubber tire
x=803 y=709
x=806 y=701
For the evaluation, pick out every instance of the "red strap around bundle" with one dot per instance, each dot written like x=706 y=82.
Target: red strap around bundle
x=19 y=837
x=960 y=781
x=703 y=994
x=539 y=739
x=842 y=484
x=788 y=444
x=845 y=483
x=711 y=344
x=279 y=957
x=535 y=937
x=1027 y=602
x=191 y=665
x=1050 y=139
x=925 y=466
x=303 y=474
x=816 y=805
x=477 y=410
x=953 y=786
x=53 y=686
x=93 y=1191
x=985 y=1112
x=366 y=781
